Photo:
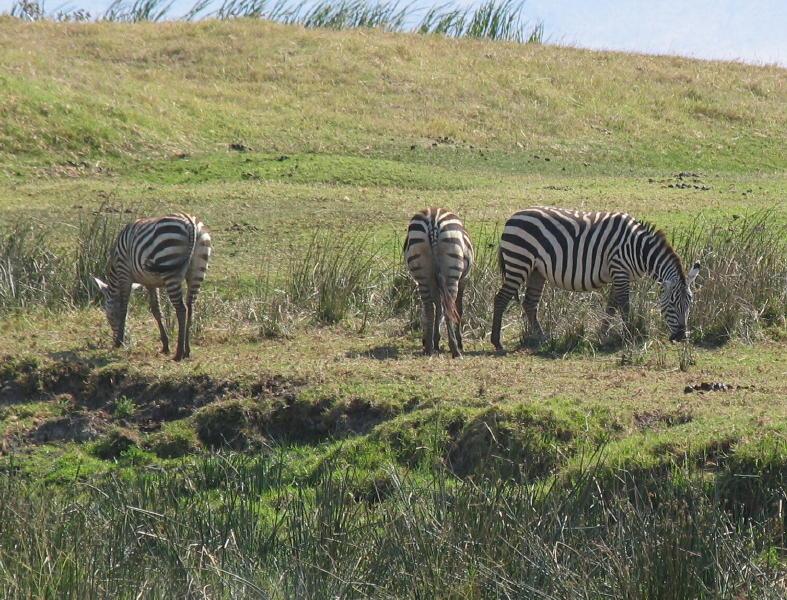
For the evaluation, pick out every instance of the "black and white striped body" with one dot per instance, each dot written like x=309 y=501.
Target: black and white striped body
x=157 y=253
x=439 y=255
x=584 y=251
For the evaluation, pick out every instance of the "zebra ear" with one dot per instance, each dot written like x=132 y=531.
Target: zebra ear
x=695 y=270
x=101 y=285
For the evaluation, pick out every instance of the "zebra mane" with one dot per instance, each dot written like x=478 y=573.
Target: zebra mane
x=661 y=237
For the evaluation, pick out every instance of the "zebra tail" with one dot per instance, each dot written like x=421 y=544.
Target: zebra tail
x=449 y=305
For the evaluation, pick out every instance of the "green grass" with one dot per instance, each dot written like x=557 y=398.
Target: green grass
x=291 y=143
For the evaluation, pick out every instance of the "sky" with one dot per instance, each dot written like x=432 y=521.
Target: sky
x=753 y=31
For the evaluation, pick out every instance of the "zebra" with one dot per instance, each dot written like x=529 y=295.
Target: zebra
x=582 y=251
x=439 y=254
x=157 y=252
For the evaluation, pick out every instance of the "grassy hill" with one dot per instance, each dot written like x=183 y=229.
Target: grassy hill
x=307 y=436
x=114 y=92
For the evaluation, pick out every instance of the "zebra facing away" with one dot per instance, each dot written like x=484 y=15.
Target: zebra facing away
x=583 y=251
x=439 y=254
x=157 y=252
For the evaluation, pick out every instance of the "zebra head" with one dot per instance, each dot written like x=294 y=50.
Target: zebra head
x=115 y=308
x=676 y=298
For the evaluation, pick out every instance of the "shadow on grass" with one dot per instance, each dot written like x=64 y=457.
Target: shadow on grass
x=376 y=353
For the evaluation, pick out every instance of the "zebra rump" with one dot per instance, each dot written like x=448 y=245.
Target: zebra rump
x=439 y=254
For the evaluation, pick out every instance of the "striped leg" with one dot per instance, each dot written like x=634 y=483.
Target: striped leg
x=121 y=308
x=533 y=292
x=427 y=319
x=175 y=291
x=511 y=284
x=155 y=308
x=438 y=321
x=194 y=278
x=460 y=309
x=191 y=297
x=618 y=299
x=451 y=325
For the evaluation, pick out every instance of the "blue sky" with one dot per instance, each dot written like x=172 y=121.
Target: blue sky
x=749 y=30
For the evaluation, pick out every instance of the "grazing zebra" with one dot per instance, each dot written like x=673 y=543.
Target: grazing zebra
x=439 y=255
x=157 y=252
x=583 y=251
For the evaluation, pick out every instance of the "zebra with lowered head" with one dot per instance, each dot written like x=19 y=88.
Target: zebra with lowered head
x=583 y=251
x=157 y=252
x=439 y=255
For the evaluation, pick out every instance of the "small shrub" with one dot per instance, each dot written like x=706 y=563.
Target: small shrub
x=117 y=441
x=124 y=408
x=174 y=440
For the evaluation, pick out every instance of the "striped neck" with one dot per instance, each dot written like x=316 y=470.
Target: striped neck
x=655 y=256
x=114 y=285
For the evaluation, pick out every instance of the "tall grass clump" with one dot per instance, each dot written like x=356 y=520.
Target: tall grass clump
x=262 y=306
x=39 y=266
x=334 y=276
x=352 y=14
x=246 y=530
x=96 y=235
x=743 y=284
x=492 y=19
x=31 y=273
x=137 y=11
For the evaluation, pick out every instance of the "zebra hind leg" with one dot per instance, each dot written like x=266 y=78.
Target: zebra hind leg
x=175 y=292
x=503 y=297
x=191 y=296
x=438 y=321
x=460 y=310
x=427 y=320
x=155 y=308
x=533 y=293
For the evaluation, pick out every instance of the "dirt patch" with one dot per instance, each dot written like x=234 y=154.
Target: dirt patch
x=653 y=418
x=76 y=427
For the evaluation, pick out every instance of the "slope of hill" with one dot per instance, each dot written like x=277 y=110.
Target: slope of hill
x=104 y=91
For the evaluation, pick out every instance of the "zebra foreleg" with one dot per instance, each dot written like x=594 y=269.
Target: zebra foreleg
x=155 y=308
x=618 y=302
x=175 y=292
